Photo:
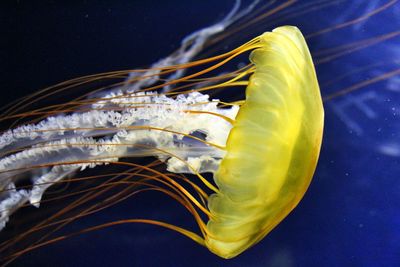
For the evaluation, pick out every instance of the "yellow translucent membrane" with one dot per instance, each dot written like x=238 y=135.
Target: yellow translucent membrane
x=273 y=147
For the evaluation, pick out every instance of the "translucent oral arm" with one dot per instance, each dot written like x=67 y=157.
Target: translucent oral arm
x=162 y=127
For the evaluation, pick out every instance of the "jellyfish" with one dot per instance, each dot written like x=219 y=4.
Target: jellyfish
x=261 y=148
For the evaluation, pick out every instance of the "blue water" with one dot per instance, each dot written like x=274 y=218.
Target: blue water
x=349 y=216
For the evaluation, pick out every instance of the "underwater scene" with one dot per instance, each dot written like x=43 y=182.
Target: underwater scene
x=200 y=133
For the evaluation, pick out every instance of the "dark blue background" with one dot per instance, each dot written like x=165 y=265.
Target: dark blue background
x=349 y=216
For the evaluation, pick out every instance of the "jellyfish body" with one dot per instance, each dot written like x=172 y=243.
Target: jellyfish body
x=273 y=147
